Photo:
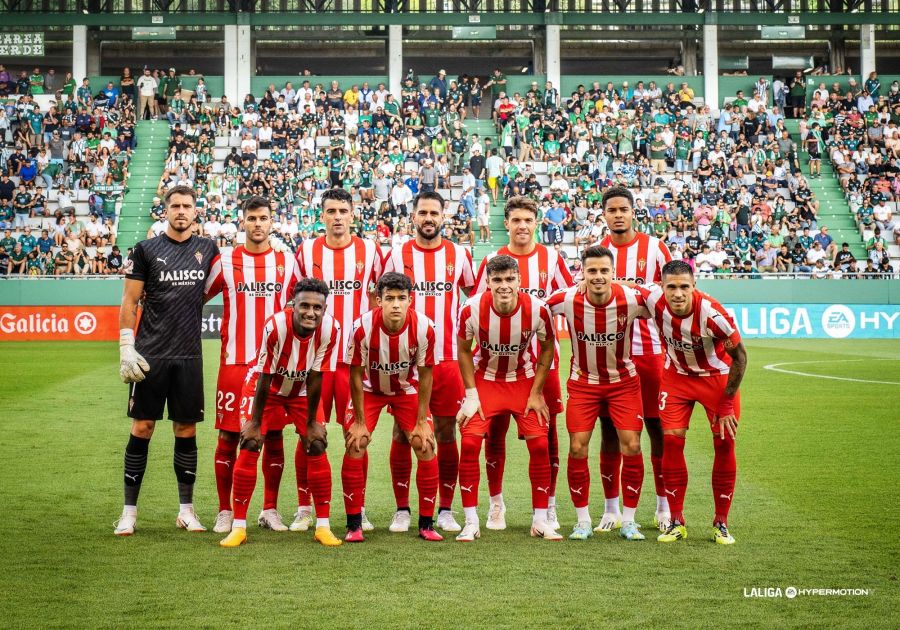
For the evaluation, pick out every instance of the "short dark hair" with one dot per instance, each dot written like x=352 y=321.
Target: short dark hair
x=596 y=251
x=520 y=203
x=499 y=264
x=433 y=195
x=312 y=285
x=677 y=268
x=180 y=190
x=617 y=191
x=254 y=202
x=337 y=194
x=393 y=280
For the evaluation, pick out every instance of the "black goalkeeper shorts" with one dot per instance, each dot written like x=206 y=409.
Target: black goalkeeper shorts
x=176 y=383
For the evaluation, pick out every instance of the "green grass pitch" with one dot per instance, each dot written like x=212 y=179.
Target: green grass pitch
x=815 y=507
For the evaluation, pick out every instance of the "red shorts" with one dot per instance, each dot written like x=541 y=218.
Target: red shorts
x=404 y=408
x=650 y=367
x=678 y=394
x=279 y=411
x=552 y=392
x=499 y=399
x=620 y=401
x=336 y=392
x=447 y=390
x=228 y=396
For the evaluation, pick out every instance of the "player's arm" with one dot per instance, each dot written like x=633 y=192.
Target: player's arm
x=472 y=404
x=132 y=366
x=357 y=431
x=725 y=416
x=251 y=433
x=316 y=441
x=536 y=400
x=423 y=430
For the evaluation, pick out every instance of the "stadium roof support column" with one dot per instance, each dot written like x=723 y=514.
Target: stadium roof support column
x=238 y=62
x=866 y=50
x=395 y=59
x=711 y=66
x=79 y=52
x=553 y=66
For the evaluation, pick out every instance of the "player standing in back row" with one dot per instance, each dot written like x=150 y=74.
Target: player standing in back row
x=438 y=269
x=350 y=266
x=256 y=282
x=639 y=258
x=163 y=361
x=541 y=271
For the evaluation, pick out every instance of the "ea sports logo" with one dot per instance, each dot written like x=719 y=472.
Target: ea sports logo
x=838 y=321
x=85 y=323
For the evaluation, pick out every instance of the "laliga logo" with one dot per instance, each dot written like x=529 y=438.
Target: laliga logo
x=838 y=321
x=85 y=323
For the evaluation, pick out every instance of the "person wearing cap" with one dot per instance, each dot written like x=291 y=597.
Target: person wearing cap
x=168 y=86
x=438 y=84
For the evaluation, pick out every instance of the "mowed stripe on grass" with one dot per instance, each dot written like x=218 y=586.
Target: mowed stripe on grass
x=817 y=490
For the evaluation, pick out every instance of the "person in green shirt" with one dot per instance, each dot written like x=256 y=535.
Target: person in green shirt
x=36 y=82
x=69 y=86
x=7 y=242
x=551 y=147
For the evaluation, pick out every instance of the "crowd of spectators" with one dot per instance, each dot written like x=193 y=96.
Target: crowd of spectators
x=724 y=189
x=64 y=154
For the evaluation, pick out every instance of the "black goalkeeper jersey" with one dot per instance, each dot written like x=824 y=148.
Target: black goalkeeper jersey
x=174 y=276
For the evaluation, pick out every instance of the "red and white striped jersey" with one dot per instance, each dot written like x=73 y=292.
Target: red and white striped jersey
x=641 y=261
x=290 y=357
x=254 y=287
x=502 y=349
x=438 y=275
x=695 y=344
x=350 y=272
x=391 y=360
x=543 y=271
x=601 y=335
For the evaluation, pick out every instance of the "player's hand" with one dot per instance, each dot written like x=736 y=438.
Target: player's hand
x=537 y=404
x=315 y=431
x=251 y=435
x=425 y=433
x=581 y=286
x=358 y=436
x=470 y=406
x=726 y=424
x=133 y=367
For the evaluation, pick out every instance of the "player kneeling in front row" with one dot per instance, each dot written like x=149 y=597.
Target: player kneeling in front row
x=296 y=343
x=499 y=375
x=391 y=353
x=706 y=363
x=602 y=377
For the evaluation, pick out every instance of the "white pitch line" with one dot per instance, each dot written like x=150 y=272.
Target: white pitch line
x=776 y=367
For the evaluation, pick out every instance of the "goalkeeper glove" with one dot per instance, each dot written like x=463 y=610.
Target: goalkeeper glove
x=470 y=405
x=132 y=366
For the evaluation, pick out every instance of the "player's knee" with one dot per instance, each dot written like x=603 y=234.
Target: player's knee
x=253 y=445
x=578 y=450
x=143 y=428
x=630 y=445
x=317 y=447
x=229 y=436
x=184 y=429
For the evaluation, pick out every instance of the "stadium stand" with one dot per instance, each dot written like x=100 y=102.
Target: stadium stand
x=727 y=189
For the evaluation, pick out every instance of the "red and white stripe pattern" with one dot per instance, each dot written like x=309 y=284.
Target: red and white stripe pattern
x=601 y=335
x=641 y=261
x=543 y=271
x=391 y=360
x=695 y=344
x=350 y=272
x=289 y=357
x=253 y=287
x=502 y=349
x=438 y=275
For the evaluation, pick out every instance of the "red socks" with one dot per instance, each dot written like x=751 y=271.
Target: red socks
x=495 y=454
x=320 y=483
x=539 y=471
x=353 y=479
x=469 y=474
x=273 y=468
x=401 y=469
x=426 y=486
x=244 y=482
x=724 y=472
x=675 y=474
x=553 y=448
x=632 y=479
x=365 y=468
x=610 y=473
x=579 y=474
x=656 y=462
x=301 y=466
x=448 y=471
x=226 y=456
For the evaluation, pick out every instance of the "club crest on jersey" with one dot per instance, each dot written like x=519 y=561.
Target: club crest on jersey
x=360 y=266
x=622 y=319
x=543 y=275
x=199 y=257
x=280 y=270
x=642 y=264
x=450 y=269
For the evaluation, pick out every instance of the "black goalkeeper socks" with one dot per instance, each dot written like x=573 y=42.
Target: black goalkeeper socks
x=185 y=463
x=135 y=466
